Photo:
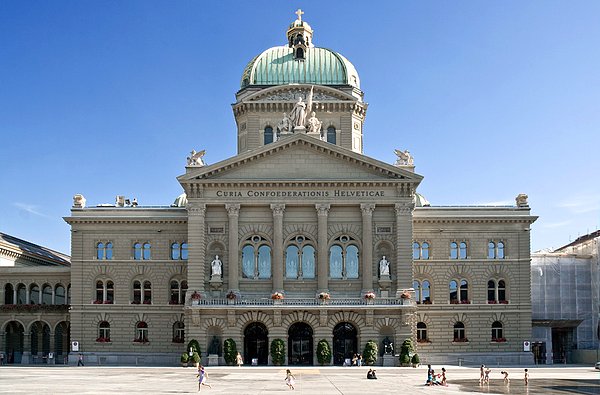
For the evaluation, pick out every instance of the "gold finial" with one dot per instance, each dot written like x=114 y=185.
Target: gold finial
x=299 y=13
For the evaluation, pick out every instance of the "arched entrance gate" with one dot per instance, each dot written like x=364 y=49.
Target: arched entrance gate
x=256 y=339
x=300 y=344
x=345 y=343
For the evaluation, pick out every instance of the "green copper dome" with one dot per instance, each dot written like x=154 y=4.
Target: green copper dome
x=321 y=66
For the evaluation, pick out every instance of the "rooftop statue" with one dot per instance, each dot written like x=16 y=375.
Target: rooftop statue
x=285 y=125
x=195 y=158
x=314 y=125
x=298 y=114
x=404 y=158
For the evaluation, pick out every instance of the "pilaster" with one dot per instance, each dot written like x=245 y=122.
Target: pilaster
x=367 y=239
x=196 y=246
x=404 y=231
x=278 y=210
x=233 y=213
x=322 y=263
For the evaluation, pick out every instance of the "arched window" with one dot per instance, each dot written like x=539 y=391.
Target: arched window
x=184 y=251
x=491 y=250
x=104 y=251
x=141 y=332
x=110 y=292
x=343 y=258
x=422 y=332
x=502 y=291
x=500 y=253
x=9 y=296
x=34 y=294
x=103 y=332
x=268 y=135
x=147 y=292
x=420 y=250
x=175 y=251
x=178 y=332
x=462 y=250
x=426 y=292
x=459 y=332
x=300 y=259
x=178 y=290
x=256 y=258
x=464 y=291
x=491 y=292
x=137 y=292
x=99 y=292
x=59 y=295
x=453 y=292
x=105 y=292
x=47 y=294
x=147 y=252
x=417 y=288
x=21 y=294
x=497 y=335
x=331 y=135
x=453 y=250
x=137 y=251
x=291 y=262
x=299 y=53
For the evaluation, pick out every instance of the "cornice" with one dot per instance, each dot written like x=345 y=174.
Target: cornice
x=123 y=220
x=482 y=219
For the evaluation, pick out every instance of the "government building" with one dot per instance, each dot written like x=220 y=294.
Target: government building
x=299 y=237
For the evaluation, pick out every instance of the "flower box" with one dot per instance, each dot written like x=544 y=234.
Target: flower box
x=147 y=302
x=103 y=340
x=405 y=295
x=499 y=340
x=324 y=296
x=108 y=302
x=464 y=340
x=465 y=301
x=144 y=340
x=492 y=302
x=277 y=296
x=135 y=302
x=454 y=301
x=97 y=302
x=196 y=296
x=370 y=295
x=231 y=295
x=503 y=302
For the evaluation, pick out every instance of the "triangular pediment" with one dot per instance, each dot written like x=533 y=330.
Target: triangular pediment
x=300 y=158
x=287 y=93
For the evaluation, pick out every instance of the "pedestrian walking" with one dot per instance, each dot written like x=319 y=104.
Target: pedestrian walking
x=80 y=360
x=526 y=378
x=506 y=379
x=444 y=377
x=202 y=378
x=239 y=360
x=481 y=374
x=290 y=379
x=486 y=378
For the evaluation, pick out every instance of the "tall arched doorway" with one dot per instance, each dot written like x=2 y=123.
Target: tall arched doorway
x=61 y=342
x=300 y=344
x=256 y=344
x=345 y=343
x=40 y=340
x=14 y=342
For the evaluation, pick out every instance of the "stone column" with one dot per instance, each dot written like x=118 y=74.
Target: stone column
x=278 y=210
x=26 y=358
x=322 y=261
x=367 y=241
x=196 y=246
x=404 y=230
x=233 y=213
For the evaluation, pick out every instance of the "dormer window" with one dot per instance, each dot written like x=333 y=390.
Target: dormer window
x=299 y=54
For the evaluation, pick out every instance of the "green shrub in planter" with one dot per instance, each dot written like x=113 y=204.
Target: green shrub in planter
x=406 y=349
x=323 y=352
x=278 y=352
x=196 y=358
x=416 y=360
x=370 y=352
x=229 y=351
x=185 y=358
x=194 y=345
x=404 y=359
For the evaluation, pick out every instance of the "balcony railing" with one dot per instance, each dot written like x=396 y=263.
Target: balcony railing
x=287 y=301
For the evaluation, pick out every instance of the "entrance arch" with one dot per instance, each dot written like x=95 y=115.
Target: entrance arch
x=345 y=343
x=256 y=344
x=61 y=342
x=300 y=344
x=14 y=334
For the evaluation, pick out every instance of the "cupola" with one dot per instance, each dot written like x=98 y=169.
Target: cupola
x=299 y=37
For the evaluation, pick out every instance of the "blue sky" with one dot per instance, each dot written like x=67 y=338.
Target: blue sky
x=108 y=97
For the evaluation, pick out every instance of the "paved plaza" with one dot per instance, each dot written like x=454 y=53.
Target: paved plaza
x=270 y=380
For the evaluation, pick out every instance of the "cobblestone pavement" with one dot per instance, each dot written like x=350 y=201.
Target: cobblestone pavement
x=270 y=380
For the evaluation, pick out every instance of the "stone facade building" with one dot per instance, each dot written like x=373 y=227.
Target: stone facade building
x=300 y=237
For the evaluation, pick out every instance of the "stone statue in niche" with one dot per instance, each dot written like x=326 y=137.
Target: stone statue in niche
x=384 y=267
x=216 y=267
x=215 y=346
x=404 y=158
x=388 y=346
x=314 y=125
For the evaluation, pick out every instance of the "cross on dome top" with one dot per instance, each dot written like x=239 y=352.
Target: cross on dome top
x=299 y=13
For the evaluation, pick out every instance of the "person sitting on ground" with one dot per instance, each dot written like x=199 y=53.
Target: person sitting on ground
x=371 y=375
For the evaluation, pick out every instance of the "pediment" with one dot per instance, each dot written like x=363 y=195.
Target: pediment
x=286 y=93
x=300 y=158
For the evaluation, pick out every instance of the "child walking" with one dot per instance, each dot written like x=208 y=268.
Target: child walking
x=526 y=377
x=289 y=379
x=202 y=378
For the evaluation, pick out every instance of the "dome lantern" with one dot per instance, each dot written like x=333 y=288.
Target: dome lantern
x=299 y=37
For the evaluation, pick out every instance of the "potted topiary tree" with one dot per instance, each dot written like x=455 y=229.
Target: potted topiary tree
x=406 y=350
x=416 y=361
x=278 y=352
x=184 y=359
x=323 y=352
x=370 y=352
x=196 y=358
x=229 y=351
